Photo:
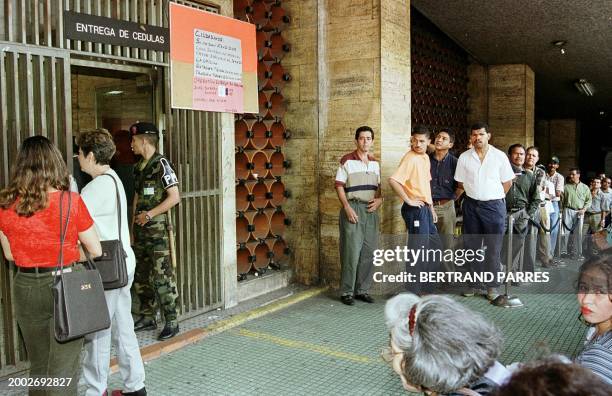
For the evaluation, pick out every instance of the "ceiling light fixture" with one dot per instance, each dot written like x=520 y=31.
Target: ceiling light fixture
x=585 y=87
x=560 y=45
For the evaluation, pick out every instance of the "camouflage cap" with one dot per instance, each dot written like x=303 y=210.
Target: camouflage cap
x=554 y=160
x=143 y=128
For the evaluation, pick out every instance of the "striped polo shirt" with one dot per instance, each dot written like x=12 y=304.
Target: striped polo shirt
x=597 y=355
x=359 y=179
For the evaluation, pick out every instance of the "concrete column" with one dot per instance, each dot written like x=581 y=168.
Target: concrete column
x=511 y=104
x=351 y=67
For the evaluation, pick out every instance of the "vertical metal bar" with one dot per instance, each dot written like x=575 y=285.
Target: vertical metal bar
x=107 y=13
x=10 y=20
x=210 y=229
x=98 y=11
x=161 y=6
x=216 y=130
x=59 y=29
x=88 y=10
x=181 y=275
x=142 y=18
x=126 y=16
x=117 y=12
x=67 y=110
x=16 y=100
x=35 y=11
x=42 y=90
x=47 y=23
x=29 y=105
x=77 y=8
x=22 y=21
x=3 y=121
x=134 y=18
x=151 y=20
x=53 y=96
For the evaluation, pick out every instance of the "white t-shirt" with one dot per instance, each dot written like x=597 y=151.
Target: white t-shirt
x=100 y=198
x=482 y=181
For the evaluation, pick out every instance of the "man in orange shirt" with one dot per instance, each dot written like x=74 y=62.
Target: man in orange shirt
x=411 y=182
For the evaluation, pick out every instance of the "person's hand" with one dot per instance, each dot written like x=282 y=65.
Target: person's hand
x=602 y=223
x=415 y=202
x=350 y=214
x=374 y=204
x=434 y=214
x=141 y=218
x=581 y=212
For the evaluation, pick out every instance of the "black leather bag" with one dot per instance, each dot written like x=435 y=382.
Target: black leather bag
x=79 y=305
x=112 y=264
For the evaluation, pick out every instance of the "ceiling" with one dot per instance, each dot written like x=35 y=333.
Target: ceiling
x=522 y=31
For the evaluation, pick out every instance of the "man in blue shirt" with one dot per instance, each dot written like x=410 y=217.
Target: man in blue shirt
x=444 y=189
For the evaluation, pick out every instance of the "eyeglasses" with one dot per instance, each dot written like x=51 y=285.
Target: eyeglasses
x=387 y=354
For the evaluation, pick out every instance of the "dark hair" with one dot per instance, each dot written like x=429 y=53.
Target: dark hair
x=554 y=378
x=592 y=179
x=99 y=142
x=533 y=148
x=479 y=125
x=449 y=132
x=363 y=128
x=574 y=169
x=515 y=145
x=421 y=130
x=602 y=263
x=38 y=167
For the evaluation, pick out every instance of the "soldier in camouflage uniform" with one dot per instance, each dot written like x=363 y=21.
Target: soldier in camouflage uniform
x=156 y=192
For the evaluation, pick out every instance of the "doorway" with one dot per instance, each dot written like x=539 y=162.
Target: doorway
x=113 y=100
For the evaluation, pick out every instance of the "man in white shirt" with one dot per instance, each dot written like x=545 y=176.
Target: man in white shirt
x=484 y=172
x=558 y=181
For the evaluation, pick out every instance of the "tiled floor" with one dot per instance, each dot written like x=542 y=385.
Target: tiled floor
x=321 y=347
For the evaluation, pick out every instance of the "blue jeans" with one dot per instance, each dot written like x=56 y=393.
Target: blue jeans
x=483 y=227
x=422 y=234
x=554 y=231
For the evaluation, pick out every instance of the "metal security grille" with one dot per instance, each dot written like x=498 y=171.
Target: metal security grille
x=195 y=149
x=34 y=100
x=40 y=22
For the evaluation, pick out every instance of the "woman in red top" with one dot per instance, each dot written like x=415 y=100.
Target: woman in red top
x=30 y=235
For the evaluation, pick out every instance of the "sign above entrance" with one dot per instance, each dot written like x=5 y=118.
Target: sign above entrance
x=213 y=62
x=104 y=30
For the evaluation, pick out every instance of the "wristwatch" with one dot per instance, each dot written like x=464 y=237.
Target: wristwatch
x=148 y=216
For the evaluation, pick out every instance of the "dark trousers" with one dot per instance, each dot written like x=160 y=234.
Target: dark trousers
x=422 y=234
x=33 y=301
x=483 y=228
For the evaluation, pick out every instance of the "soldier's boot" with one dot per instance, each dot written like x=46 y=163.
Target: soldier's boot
x=170 y=330
x=145 y=323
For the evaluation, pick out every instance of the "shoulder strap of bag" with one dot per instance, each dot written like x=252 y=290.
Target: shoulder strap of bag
x=118 y=205
x=63 y=228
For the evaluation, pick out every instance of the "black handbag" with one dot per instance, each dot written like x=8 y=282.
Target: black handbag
x=79 y=305
x=112 y=263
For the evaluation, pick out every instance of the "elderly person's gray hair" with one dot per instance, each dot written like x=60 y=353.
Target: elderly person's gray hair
x=450 y=347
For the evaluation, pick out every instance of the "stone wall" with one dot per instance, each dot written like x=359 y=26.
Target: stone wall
x=350 y=63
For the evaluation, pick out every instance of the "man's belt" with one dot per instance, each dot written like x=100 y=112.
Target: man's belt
x=514 y=210
x=592 y=213
x=437 y=202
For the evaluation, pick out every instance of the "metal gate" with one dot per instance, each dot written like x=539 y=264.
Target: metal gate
x=194 y=147
x=34 y=100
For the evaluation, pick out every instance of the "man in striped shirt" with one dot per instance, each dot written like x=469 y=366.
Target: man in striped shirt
x=358 y=188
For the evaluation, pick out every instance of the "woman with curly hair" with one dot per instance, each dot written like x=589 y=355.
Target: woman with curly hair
x=30 y=236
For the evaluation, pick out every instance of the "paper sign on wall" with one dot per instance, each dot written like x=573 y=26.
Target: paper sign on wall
x=213 y=62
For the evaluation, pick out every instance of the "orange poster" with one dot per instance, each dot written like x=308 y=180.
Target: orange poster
x=213 y=62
